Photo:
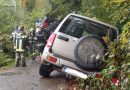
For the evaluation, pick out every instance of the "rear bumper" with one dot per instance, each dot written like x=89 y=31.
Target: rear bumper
x=62 y=62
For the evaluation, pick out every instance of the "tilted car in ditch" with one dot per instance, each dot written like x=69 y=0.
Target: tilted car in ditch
x=77 y=46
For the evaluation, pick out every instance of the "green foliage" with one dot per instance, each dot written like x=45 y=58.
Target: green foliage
x=30 y=5
x=36 y=9
x=5 y=60
x=5 y=19
x=115 y=12
x=61 y=8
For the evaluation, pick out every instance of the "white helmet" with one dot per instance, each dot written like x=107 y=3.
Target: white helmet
x=32 y=29
x=37 y=30
x=21 y=27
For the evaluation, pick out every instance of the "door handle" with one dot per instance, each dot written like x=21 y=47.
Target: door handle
x=63 y=38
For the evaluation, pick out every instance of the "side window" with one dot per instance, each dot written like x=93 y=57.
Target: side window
x=74 y=27
x=114 y=34
x=77 y=30
x=65 y=25
x=85 y=33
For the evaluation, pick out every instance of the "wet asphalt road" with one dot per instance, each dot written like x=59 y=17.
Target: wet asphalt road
x=28 y=78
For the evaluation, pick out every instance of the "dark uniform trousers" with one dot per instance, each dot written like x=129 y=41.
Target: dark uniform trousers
x=20 y=56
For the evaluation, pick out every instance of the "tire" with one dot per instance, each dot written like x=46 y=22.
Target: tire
x=88 y=55
x=45 y=70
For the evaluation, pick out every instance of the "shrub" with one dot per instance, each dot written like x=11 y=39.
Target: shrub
x=5 y=60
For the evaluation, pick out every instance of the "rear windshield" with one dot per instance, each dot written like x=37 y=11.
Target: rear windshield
x=79 y=27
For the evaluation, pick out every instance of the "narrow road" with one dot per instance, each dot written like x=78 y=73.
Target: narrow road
x=27 y=78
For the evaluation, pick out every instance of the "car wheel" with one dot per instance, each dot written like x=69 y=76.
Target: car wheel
x=45 y=70
x=88 y=52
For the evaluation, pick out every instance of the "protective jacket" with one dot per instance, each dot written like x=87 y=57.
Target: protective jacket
x=32 y=36
x=21 y=41
x=40 y=40
x=32 y=40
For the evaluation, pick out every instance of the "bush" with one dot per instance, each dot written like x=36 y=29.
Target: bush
x=5 y=60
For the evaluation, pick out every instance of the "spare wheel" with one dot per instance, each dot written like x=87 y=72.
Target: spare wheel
x=88 y=52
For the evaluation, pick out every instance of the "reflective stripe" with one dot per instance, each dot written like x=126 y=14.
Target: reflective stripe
x=19 y=46
x=17 y=42
x=40 y=44
x=19 y=36
x=24 y=36
x=33 y=53
x=19 y=50
x=32 y=41
x=14 y=47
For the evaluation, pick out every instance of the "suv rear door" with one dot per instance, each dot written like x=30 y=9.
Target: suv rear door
x=67 y=36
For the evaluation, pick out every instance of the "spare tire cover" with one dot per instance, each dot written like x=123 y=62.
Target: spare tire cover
x=88 y=52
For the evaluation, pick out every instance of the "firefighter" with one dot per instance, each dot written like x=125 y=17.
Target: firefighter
x=40 y=41
x=45 y=23
x=32 y=40
x=21 y=45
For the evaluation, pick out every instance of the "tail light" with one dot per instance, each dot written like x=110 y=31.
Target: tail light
x=50 y=41
x=52 y=59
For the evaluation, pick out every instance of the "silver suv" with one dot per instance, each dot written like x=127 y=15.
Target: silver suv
x=77 y=46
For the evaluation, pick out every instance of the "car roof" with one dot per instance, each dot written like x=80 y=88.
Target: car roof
x=93 y=20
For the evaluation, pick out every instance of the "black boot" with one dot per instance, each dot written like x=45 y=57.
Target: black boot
x=23 y=59
x=17 y=64
x=17 y=58
x=24 y=64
